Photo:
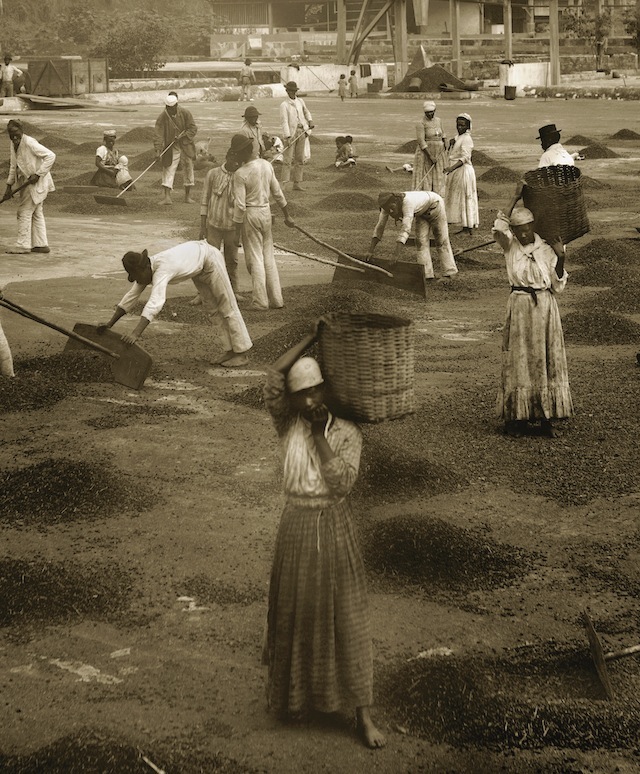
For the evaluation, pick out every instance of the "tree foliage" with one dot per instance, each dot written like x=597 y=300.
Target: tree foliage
x=632 y=25
x=135 y=44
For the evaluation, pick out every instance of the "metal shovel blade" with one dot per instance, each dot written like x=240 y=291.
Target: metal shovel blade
x=119 y=201
x=132 y=364
x=597 y=654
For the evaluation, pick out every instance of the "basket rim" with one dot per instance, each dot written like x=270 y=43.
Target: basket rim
x=339 y=316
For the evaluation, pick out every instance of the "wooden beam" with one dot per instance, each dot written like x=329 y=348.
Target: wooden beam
x=508 y=29
x=341 y=8
x=356 y=31
x=554 y=43
x=400 y=40
x=456 y=52
x=371 y=25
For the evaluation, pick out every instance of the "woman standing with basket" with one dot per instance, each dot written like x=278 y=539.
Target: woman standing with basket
x=535 y=381
x=318 y=646
x=461 y=197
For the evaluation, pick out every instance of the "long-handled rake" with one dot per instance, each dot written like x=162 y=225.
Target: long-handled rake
x=122 y=202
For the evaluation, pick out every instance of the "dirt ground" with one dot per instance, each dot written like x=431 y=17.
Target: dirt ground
x=138 y=527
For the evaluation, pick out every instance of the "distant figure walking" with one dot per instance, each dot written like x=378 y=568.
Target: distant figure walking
x=247 y=79
x=353 y=84
x=342 y=87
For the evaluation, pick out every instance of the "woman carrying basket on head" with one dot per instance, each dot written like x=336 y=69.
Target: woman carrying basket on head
x=535 y=380
x=318 y=647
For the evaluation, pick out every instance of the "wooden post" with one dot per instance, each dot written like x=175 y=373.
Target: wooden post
x=554 y=43
x=456 y=55
x=401 y=40
x=341 y=7
x=269 y=17
x=508 y=29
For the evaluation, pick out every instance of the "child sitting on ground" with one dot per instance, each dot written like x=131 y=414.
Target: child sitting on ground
x=345 y=156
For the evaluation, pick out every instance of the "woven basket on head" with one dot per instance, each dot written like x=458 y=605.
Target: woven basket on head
x=368 y=362
x=554 y=196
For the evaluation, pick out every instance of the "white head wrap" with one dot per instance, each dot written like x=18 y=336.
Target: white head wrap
x=304 y=373
x=109 y=133
x=171 y=100
x=428 y=106
x=467 y=117
x=123 y=160
x=520 y=216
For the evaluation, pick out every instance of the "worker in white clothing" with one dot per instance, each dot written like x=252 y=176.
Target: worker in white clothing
x=204 y=265
x=554 y=154
x=296 y=126
x=426 y=210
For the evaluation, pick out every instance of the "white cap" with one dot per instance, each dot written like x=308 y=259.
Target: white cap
x=428 y=106
x=304 y=373
x=171 y=100
x=520 y=216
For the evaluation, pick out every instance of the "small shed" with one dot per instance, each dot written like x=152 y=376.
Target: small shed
x=67 y=76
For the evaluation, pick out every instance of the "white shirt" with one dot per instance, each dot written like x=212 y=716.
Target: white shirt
x=531 y=266
x=414 y=203
x=555 y=155
x=31 y=158
x=8 y=72
x=293 y=112
x=169 y=267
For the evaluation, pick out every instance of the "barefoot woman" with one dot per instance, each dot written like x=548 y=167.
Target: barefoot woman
x=318 y=646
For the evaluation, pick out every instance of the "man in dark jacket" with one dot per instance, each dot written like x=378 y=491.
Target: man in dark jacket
x=175 y=127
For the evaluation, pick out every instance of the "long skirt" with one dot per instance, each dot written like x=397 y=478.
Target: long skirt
x=461 y=197
x=535 y=381
x=427 y=179
x=318 y=645
x=103 y=179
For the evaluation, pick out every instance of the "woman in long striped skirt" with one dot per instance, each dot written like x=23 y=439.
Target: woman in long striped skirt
x=318 y=646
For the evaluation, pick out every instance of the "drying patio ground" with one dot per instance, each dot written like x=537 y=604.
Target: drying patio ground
x=138 y=527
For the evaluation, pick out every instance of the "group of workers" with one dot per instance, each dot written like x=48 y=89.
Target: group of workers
x=318 y=643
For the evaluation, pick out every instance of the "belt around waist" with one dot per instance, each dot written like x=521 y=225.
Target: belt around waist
x=257 y=205
x=526 y=289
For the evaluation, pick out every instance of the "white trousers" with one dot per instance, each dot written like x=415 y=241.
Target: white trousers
x=219 y=302
x=294 y=154
x=32 y=230
x=6 y=360
x=257 y=240
x=169 y=173
x=435 y=222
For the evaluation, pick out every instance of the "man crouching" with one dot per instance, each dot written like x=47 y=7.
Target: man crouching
x=204 y=265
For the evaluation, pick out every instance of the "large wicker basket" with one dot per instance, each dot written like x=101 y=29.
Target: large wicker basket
x=554 y=196
x=368 y=364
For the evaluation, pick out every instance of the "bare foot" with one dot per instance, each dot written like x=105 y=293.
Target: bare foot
x=370 y=733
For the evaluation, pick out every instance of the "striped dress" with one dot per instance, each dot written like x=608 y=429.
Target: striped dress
x=318 y=644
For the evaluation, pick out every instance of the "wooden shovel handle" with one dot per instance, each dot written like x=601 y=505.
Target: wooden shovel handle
x=475 y=247
x=31 y=316
x=341 y=254
x=613 y=655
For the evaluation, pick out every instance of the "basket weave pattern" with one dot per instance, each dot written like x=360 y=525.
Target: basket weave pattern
x=368 y=363
x=555 y=197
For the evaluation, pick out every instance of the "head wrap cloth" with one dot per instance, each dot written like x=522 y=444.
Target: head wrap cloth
x=520 y=216
x=466 y=117
x=304 y=373
x=428 y=106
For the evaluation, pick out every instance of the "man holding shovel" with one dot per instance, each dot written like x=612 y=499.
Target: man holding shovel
x=175 y=128
x=204 y=265
x=426 y=208
x=30 y=167
x=296 y=126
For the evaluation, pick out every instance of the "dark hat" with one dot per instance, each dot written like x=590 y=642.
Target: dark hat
x=546 y=130
x=239 y=143
x=251 y=111
x=133 y=261
x=291 y=86
x=247 y=61
x=384 y=197
x=8 y=56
